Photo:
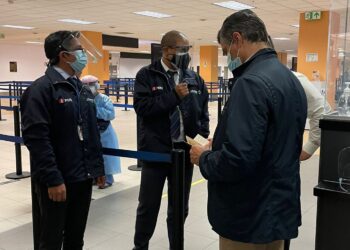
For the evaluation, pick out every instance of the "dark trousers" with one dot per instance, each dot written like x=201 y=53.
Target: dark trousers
x=152 y=182
x=286 y=244
x=57 y=223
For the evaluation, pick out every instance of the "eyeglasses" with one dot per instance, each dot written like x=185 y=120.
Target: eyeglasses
x=181 y=49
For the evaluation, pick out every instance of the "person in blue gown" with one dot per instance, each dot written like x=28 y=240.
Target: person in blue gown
x=105 y=114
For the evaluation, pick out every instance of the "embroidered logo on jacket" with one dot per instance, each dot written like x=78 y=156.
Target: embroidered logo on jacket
x=155 y=88
x=62 y=100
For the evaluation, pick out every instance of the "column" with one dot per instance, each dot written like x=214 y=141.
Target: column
x=209 y=63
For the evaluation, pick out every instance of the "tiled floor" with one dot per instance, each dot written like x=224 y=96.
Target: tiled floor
x=112 y=215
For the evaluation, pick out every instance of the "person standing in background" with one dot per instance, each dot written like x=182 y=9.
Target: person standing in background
x=105 y=114
x=171 y=102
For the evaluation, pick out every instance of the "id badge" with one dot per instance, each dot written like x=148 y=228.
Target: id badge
x=80 y=133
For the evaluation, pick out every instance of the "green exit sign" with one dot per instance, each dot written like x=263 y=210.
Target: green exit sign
x=313 y=15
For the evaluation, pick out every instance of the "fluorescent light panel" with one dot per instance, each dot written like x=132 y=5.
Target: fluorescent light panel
x=75 y=21
x=34 y=42
x=152 y=14
x=281 y=38
x=295 y=25
x=233 y=5
x=17 y=27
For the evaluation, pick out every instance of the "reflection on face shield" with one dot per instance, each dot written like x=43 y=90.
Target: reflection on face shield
x=77 y=41
x=181 y=60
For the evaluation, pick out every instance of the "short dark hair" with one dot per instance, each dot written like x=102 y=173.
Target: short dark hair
x=247 y=23
x=270 y=42
x=53 y=45
x=218 y=36
x=169 y=38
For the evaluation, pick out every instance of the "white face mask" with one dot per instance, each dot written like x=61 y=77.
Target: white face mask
x=93 y=89
x=233 y=63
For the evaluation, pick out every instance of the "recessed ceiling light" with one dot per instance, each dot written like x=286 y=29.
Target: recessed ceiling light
x=124 y=33
x=233 y=5
x=288 y=50
x=34 y=42
x=75 y=21
x=152 y=14
x=281 y=38
x=17 y=27
x=295 y=25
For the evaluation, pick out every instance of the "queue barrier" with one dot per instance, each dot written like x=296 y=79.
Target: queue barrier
x=176 y=158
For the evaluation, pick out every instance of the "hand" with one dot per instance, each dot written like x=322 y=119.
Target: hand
x=304 y=156
x=197 y=150
x=182 y=90
x=58 y=193
x=101 y=181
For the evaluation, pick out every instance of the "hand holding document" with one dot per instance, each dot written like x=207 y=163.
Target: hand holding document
x=198 y=140
x=198 y=145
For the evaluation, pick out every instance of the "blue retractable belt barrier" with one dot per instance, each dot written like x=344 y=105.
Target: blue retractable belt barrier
x=6 y=108
x=9 y=97
x=9 y=138
x=141 y=155
x=123 y=105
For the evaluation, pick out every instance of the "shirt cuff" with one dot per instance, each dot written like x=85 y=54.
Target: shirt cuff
x=310 y=148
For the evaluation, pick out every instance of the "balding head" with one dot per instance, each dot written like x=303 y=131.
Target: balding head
x=174 y=38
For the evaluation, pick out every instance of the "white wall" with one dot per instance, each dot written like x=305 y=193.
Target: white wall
x=129 y=67
x=222 y=62
x=30 y=62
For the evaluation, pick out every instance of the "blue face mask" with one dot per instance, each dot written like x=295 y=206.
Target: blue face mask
x=235 y=63
x=80 y=62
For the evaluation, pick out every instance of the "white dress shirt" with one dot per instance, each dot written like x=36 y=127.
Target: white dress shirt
x=176 y=79
x=316 y=108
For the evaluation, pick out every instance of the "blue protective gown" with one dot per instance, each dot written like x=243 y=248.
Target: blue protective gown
x=109 y=139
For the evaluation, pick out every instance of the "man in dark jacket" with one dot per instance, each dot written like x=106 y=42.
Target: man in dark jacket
x=60 y=131
x=171 y=102
x=253 y=166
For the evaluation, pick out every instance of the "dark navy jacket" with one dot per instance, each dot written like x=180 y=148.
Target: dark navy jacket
x=51 y=112
x=155 y=99
x=253 y=168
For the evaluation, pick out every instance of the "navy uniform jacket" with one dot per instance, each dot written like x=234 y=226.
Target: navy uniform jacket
x=155 y=99
x=51 y=112
x=253 y=168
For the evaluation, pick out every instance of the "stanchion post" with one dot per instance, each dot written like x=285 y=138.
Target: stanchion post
x=126 y=98
x=10 y=94
x=19 y=174
x=0 y=113
x=219 y=107
x=178 y=160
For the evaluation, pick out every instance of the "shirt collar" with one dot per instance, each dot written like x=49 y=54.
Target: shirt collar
x=63 y=73
x=166 y=68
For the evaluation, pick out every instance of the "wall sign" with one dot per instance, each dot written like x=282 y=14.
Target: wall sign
x=13 y=66
x=312 y=57
x=312 y=15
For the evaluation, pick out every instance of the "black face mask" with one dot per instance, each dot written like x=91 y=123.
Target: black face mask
x=181 y=62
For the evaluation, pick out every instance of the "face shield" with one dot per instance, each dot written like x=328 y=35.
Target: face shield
x=77 y=41
x=182 y=57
